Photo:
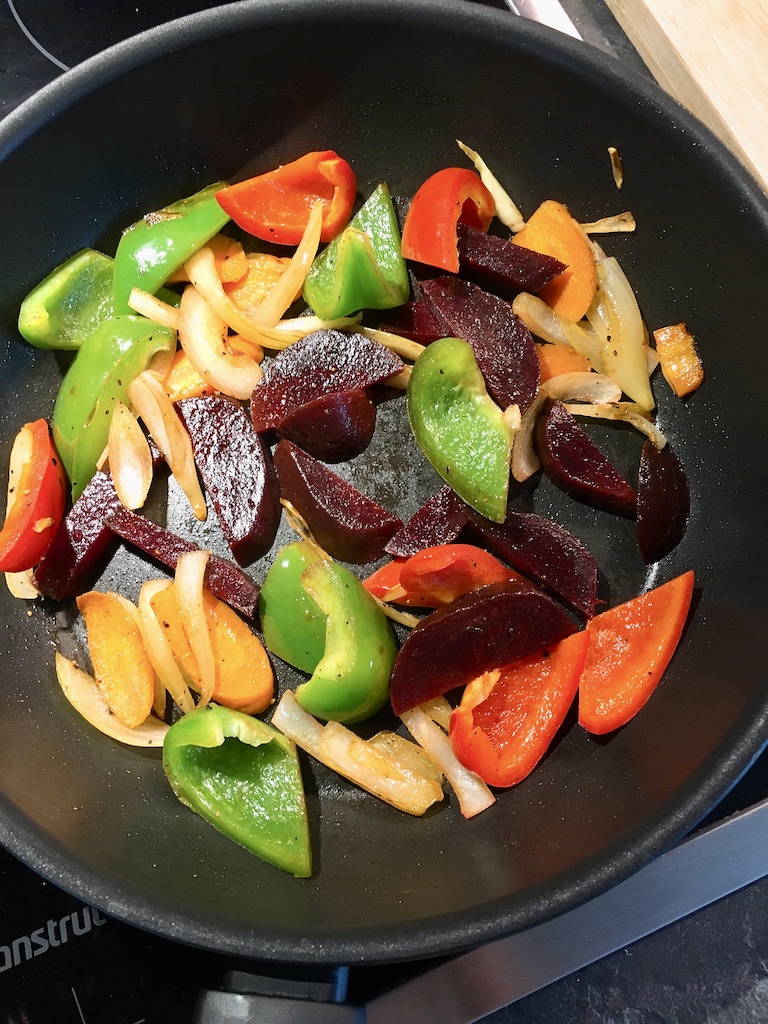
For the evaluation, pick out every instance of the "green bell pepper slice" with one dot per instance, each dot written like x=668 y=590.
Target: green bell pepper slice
x=362 y=268
x=243 y=777
x=293 y=626
x=111 y=356
x=64 y=308
x=458 y=426
x=351 y=680
x=150 y=250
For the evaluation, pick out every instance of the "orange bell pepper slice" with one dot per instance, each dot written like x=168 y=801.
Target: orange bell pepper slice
x=508 y=718
x=632 y=644
x=37 y=490
x=451 y=195
x=679 y=360
x=275 y=206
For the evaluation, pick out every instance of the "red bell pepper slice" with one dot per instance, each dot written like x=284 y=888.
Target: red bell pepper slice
x=508 y=718
x=632 y=644
x=275 y=206
x=37 y=491
x=437 y=575
x=447 y=197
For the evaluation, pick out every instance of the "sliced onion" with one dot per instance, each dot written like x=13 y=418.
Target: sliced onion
x=408 y=756
x=21 y=585
x=84 y=694
x=616 y=319
x=362 y=763
x=149 y=399
x=626 y=411
x=130 y=460
x=582 y=387
x=291 y=281
x=439 y=710
x=153 y=308
x=189 y=579
x=548 y=325
x=159 y=649
x=403 y=347
x=506 y=210
x=472 y=793
x=610 y=225
x=525 y=460
x=202 y=333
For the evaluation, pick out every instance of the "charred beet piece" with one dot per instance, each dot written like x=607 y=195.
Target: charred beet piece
x=416 y=320
x=82 y=542
x=323 y=363
x=346 y=523
x=237 y=471
x=577 y=466
x=439 y=521
x=334 y=428
x=504 y=347
x=502 y=267
x=224 y=579
x=486 y=629
x=663 y=502
x=544 y=552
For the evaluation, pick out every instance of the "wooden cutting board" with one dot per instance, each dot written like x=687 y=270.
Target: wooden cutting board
x=712 y=56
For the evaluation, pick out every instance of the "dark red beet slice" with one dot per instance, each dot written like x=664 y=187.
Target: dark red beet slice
x=224 y=579
x=237 y=471
x=577 y=466
x=486 y=629
x=439 y=521
x=500 y=266
x=416 y=320
x=81 y=544
x=346 y=523
x=663 y=502
x=334 y=428
x=544 y=552
x=322 y=363
x=503 y=345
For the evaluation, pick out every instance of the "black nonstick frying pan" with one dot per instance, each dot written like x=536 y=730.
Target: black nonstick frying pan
x=391 y=85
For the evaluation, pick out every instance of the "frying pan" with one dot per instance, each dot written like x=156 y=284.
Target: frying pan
x=391 y=85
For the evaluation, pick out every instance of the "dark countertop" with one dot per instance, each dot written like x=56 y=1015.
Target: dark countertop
x=709 y=967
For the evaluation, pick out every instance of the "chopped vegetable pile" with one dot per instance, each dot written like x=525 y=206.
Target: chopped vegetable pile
x=249 y=376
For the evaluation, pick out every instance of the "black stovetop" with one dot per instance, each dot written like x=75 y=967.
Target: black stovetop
x=63 y=963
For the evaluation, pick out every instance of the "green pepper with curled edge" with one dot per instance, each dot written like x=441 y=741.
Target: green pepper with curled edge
x=318 y=617
x=111 y=356
x=243 y=777
x=362 y=268
x=153 y=248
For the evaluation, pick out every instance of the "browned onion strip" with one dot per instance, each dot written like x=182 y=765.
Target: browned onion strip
x=159 y=649
x=280 y=297
x=548 y=325
x=525 y=461
x=403 y=347
x=472 y=793
x=188 y=580
x=357 y=760
x=582 y=387
x=21 y=585
x=130 y=460
x=149 y=399
x=202 y=333
x=626 y=411
x=506 y=210
x=153 y=308
x=609 y=225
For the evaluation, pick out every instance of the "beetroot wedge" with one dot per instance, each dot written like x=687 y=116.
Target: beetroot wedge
x=224 y=579
x=416 y=320
x=544 y=552
x=335 y=427
x=440 y=520
x=346 y=523
x=502 y=267
x=481 y=631
x=663 y=502
x=81 y=544
x=323 y=363
x=237 y=471
x=503 y=345
x=577 y=466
